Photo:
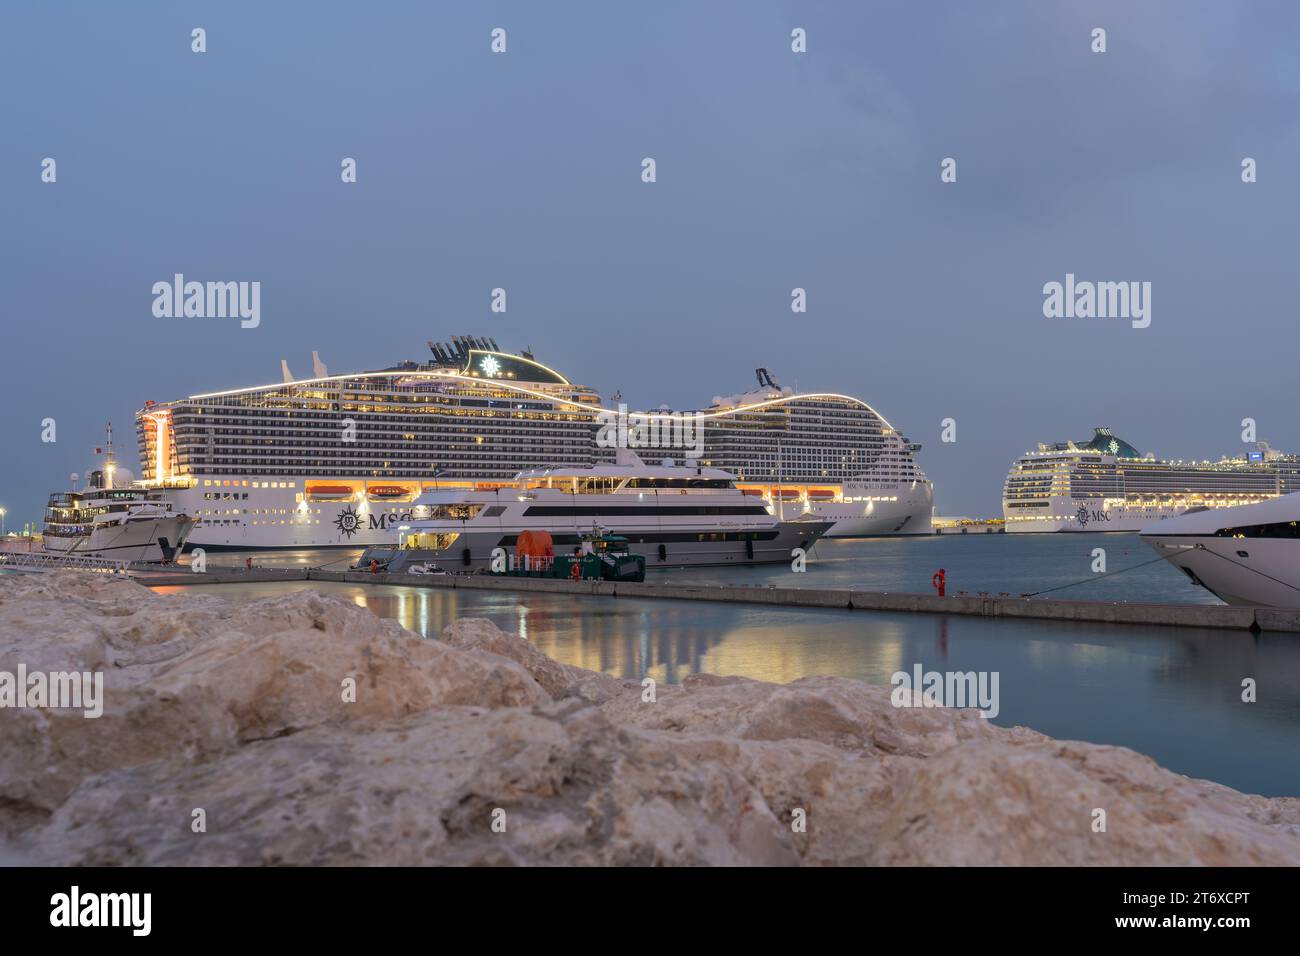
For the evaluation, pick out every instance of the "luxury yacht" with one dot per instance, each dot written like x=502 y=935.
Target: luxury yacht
x=114 y=517
x=1246 y=555
x=674 y=515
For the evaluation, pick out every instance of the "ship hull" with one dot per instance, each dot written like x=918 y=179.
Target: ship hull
x=908 y=513
x=472 y=551
x=1065 y=515
x=147 y=540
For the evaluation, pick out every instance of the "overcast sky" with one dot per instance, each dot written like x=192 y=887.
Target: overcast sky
x=775 y=170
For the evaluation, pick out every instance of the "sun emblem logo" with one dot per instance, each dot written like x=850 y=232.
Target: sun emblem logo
x=490 y=366
x=1114 y=446
x=348 y=522
x=1082 y=517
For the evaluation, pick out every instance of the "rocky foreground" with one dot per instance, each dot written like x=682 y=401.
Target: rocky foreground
x=238 y=711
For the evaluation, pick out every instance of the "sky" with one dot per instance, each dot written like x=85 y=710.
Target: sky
x=775 y=170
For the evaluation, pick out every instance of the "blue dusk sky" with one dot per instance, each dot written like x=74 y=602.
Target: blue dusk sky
x=775 y=170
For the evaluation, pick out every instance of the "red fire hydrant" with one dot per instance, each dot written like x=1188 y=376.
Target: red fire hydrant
x=939 y=580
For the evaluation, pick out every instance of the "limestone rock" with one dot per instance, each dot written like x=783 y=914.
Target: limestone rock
x=478 y=749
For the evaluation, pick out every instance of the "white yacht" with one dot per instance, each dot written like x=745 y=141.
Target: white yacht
x=114 y=517
x=1247 y=555
x=674 y=515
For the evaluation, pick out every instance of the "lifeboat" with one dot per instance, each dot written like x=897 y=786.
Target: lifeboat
x=329 y=492
x=757 y=492
x=821 y=494
x=384 y=492
x=785 y=493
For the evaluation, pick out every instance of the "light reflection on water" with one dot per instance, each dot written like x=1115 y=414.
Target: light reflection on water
x=995 y=563
x=1170 y=693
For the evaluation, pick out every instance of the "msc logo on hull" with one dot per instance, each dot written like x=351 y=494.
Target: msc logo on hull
x=349 y=521
x=1085 y=516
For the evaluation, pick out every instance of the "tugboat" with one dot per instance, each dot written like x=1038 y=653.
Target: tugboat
x=598 y=557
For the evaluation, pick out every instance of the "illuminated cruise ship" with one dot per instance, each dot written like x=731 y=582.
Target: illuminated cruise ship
x=821 y=455
x=1105 y=484
x=339 y=460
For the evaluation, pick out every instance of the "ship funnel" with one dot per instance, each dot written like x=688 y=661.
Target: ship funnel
x=284 y=370
x=318 y=369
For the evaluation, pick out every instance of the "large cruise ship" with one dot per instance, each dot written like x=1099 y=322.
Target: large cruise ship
x=1105 y=484
x=339 y=460
x=821 y=455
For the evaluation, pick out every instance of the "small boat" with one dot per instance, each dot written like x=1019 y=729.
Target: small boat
x=821 y=494
x=388 y=491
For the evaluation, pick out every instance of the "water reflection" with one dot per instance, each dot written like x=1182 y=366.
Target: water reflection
x=1171 y=693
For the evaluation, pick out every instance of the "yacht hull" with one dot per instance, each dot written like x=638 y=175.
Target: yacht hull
x=1248 y=555
x=472 y=551
x=141 y=539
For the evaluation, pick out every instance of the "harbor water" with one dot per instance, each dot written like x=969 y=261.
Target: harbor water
x=1172 y=693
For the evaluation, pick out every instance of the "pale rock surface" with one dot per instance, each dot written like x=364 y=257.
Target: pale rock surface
x=238 y=710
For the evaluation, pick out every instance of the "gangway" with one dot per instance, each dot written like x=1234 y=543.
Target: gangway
x=35 y=563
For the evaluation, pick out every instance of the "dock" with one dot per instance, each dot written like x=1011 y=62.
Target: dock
x=1254 y=619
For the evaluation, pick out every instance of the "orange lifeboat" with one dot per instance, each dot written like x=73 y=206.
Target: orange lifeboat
x=821 y=493
x=752 y=491
x=387 y=491
x=785 y=493
x=534 y=550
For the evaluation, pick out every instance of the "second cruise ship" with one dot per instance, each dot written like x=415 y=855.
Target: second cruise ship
x=1105 y=484
x=339 y=460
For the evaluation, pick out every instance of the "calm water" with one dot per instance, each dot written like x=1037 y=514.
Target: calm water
x=995 y=563
x=1170 y=693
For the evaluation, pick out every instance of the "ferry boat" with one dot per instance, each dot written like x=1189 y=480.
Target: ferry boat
x=111 y=518
x=1247 y=555
x=1105 y=484
x=673 y=515
x=339 y=460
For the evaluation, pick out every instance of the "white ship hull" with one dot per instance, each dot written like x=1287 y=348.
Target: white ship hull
x=140 y=539
x=1091 y=516
x=900 y=510
x=1246 y=556
x=269 y=519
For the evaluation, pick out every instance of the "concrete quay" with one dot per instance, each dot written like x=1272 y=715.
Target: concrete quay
x=1100 y=612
